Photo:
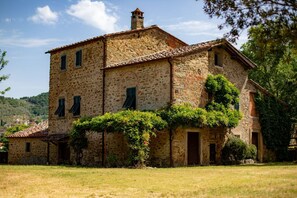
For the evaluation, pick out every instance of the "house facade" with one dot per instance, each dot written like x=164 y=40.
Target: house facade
x=27 y=147
x=146 y=69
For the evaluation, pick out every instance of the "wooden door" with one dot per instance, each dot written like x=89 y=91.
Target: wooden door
x=193 y=148
x=255 y=141
x=63 y=153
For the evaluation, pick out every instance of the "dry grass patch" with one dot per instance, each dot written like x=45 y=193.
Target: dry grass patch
x=210 y=181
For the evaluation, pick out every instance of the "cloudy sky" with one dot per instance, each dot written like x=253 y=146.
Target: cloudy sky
x=28 y=28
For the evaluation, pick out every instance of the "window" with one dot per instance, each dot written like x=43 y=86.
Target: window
x=75 y=109
x=218 y=60
x=63 y=62
x=28 y=147
x=130 y=102
x=78 y=58
x=61 y=108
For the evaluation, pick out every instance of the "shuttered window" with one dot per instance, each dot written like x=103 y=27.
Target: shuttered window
x=63 y=62
x=61 y=108
x=130 y=102
x=78 y=58
x=75 y=109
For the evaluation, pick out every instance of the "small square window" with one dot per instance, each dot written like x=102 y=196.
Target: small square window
x=75 y=109
x=218 y=60
x=61 y=108
x=130 y=102
x=63 y=62
x=28 y=147
x=78 y=58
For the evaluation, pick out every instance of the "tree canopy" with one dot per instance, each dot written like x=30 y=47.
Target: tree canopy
x=3 y=62
x=277 y=15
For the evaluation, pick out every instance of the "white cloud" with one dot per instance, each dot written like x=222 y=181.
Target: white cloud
x=26 y=42
x=94 y=13
x=195 y=28
x=44 y=15
x=7 y=20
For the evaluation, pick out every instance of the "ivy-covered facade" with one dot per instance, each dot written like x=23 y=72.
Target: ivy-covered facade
x=147 y=69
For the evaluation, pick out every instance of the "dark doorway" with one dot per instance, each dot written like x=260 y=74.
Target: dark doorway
x=63 y=153
x=193 y=148
x=212 y=153
x=3 y=157
x=255 y=141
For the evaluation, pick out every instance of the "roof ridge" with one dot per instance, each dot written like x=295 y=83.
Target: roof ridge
x=100 y=37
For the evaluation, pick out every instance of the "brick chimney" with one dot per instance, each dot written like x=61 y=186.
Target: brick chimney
x=137 y=19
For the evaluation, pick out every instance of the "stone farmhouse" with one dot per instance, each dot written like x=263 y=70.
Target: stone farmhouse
x=144 y=68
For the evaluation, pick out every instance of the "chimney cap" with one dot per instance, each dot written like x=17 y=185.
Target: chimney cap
x=137 y=10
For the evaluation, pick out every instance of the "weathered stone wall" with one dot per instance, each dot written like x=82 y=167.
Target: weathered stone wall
x=17 y=151
x=84 y=81
x=152 y=82
x=190 y=73
x=139 y=43
x=160 y=149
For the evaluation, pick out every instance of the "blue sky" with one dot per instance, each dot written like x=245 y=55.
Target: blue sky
x=28 y=28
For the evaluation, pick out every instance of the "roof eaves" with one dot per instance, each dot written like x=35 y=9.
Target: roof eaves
x=245 y=60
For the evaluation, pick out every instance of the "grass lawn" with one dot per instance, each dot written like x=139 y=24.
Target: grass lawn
x=208 y=181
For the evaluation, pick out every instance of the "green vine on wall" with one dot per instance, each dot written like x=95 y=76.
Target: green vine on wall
x=276 y=124
x=139 y=126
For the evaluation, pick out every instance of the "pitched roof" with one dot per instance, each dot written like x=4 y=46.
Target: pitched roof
x=111 y=35
x=185 y=50
x=38 y=130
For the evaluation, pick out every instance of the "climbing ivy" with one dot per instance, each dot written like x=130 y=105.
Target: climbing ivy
x=139 y=126
x=276 y=124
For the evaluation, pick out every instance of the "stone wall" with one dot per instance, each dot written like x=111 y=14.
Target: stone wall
x=190 y=73
x=84 y=81
x=17 y=151
x=139 y=43
x=152 y=82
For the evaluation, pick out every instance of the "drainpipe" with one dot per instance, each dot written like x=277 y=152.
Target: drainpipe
x=103 y=98
x=170 y=103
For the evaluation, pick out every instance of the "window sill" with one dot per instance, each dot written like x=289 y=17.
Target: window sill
x=77 y=66
x=61 y=118
x=76 y=116
x=218 y=66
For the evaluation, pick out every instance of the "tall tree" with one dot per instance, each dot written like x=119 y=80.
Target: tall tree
x=3 y=62
x=277 y=15
x=277 y=65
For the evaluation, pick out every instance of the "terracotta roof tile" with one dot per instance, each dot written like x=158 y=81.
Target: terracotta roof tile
x=171 y=53
x=38 y=130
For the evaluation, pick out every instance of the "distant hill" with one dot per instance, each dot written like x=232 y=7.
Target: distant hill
x=18 y=111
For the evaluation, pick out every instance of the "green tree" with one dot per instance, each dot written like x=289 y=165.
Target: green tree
x=277 y=15
x=3 y=62
x=277 y=65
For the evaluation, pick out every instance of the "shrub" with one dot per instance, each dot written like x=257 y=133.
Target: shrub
x=251 y=152
x=234 y=150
